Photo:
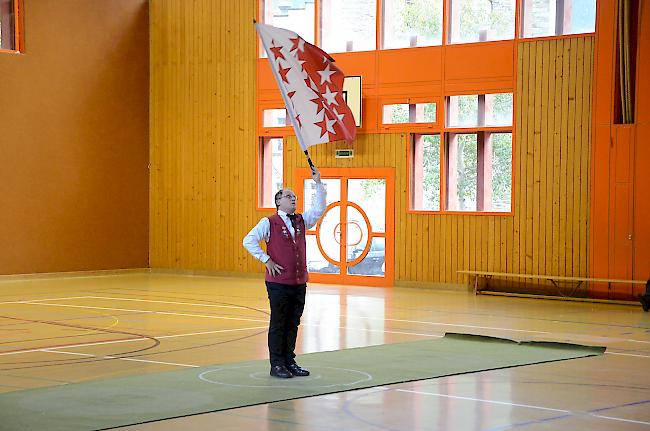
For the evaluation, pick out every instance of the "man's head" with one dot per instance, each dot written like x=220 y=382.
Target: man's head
x=285 y=200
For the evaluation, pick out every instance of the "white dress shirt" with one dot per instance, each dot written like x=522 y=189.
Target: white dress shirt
x=262 y=231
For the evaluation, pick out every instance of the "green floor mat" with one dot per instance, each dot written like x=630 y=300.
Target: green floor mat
x=104 y=404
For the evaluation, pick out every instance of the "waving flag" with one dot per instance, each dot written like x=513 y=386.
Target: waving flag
x=311 y=86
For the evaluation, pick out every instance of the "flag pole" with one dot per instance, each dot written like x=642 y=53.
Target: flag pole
x=311 y=164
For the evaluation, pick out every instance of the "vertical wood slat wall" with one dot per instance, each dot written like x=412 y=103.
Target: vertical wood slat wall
x=202 y=134
x=203 y=150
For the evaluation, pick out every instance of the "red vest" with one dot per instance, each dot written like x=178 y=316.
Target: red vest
x=286 y=252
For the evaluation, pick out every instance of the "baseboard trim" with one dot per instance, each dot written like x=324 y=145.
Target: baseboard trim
x=74 y=274
x=558 y=298
x=456 y=287
x=207 y=273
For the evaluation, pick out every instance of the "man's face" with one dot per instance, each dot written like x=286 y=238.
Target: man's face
x=287 y=202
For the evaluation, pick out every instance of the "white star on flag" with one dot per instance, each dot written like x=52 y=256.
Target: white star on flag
x=325 y=74
x=311 y=86
x=330 y=96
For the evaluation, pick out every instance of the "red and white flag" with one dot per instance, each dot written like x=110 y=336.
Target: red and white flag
x=311 y=86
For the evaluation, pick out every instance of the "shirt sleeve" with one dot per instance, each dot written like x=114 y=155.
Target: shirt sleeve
x=317 y=209
x=261 y=232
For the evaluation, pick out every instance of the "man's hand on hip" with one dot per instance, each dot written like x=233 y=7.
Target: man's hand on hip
x=273 y=268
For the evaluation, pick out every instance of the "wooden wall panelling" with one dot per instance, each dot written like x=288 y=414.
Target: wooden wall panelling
x=585 y=153
x=542 y=131
x=555 y=172
x=536 y=178
x=549 y=133
x=203 y=134
x=526 y=159
x=204 y=150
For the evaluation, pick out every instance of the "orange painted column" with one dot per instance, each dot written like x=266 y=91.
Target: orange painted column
x=619 y=245
x=641 y=155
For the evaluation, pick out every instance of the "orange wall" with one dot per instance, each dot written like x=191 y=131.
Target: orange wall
x=399 y=75
x=74 y=138
x=642 y=150
x=620 y=233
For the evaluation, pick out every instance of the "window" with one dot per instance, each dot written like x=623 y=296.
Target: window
x=479 y=176
x=270 y=170
x=275 y=118
x=501 y=173
x=480 y=110
x=409 y=23
x=461 y=172
x=557 y=17
x=479 y=161
x=409 y=113
x=425 y=172
x=348 y=25
x=294 y=15
x=481 y=20
x=9 y=11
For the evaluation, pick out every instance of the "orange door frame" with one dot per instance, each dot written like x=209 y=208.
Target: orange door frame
x=343 y=174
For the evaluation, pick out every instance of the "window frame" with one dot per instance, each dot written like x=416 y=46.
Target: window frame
x=522 y=24
x=18 y=36
x=446 y=133
x=318 y=29
x=448 y=23
x=479 y=130
x=381 y=20
x=446 y=29
x=260 y=162
x=268 y=131
x=411 y=142
x=483 y=191
x=425 y=128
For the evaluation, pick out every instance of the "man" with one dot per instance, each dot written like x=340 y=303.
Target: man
x=286 y=272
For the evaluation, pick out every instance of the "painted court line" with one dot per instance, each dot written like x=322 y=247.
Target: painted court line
x=627 y=354
x=152 y=362
x=45 y=299
x=505 y=403
x=66 y=346
x=41 y=303
x=260 y=320
x=148 y=312
x=521 y=405
x=450 y=324
x=168 y=302
x=99 y=343
x=66 y=353
x=121 y=359
x=620 y=419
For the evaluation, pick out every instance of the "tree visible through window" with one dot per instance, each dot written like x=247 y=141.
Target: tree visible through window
x=557 y=17
x=481 y=20
x=479 y=161
x=425 y=172
x=348 y=25
x=461 y=182
x=501 y=171
x=412 y=23
x=409 y=113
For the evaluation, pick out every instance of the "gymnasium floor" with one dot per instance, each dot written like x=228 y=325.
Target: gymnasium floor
x=55 y=331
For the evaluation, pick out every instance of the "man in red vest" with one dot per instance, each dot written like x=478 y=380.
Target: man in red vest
x=286 y=272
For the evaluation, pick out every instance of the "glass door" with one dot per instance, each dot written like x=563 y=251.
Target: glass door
x=353 y=241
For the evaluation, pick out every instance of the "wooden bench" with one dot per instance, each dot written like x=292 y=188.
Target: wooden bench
x=555 y=279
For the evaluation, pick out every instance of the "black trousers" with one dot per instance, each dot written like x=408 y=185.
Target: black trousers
x=287 y=303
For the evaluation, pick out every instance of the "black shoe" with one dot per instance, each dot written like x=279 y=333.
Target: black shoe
x=297 y=371
x=281 y=372
x=645 y=302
